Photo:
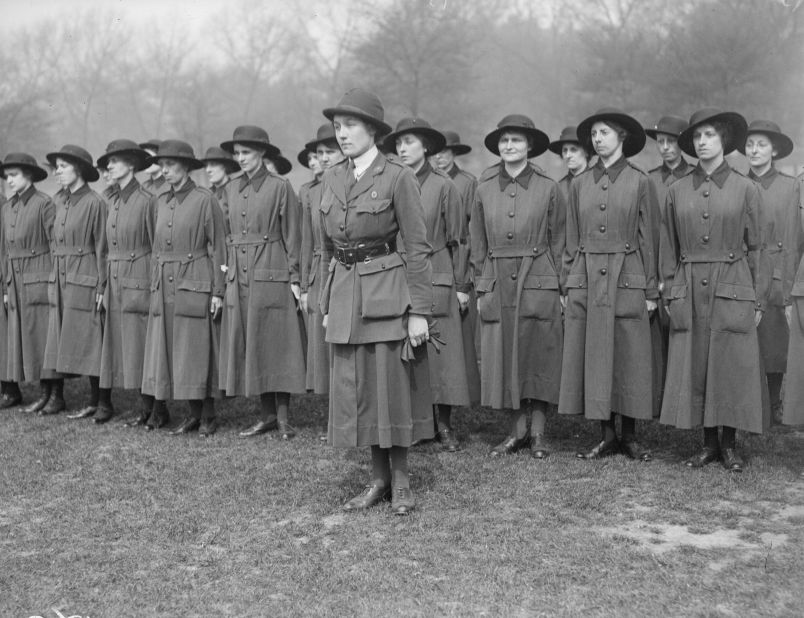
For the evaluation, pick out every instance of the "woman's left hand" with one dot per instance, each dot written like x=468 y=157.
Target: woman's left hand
x=651 y=305
x=757 y=317
x=788 y=315
x=418 y=333
x=215 y=306
x=99 y=301
x=463 y=301
x=296 y=289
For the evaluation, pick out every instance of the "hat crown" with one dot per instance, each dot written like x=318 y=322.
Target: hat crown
x=325 y=132
x=516 y=120
x=763 y=126
x=122 y=144
x=671 y=125
x=703 y=114
x=214 y=152
x=71 y=150
x=569 y=134
x=364 y=101
x=250 y=133
x=19 y=158
x=175 y=148
x=411 y=124
x=452 y=138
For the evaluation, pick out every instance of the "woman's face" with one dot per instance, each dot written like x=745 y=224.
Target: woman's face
x=574 y=156
x=707 y=142
x=313 y=163
x=759 y=150
x=249 y=159
x=410 y=149
x=16 y=179
x=605 y=140
x=66 y=173
x=327 y=156
x=354 y=136
x=668 y=148
x=444 y=159
x=154 y=167
x=513 y=147
x=175 y=172
x=118 y=168
x=216 y=172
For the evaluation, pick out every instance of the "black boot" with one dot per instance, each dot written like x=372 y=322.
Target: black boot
x=139 y=418
x=159 y=415
x=11 y=395
x=56 y=403
x=105 y=408
x=44 y=397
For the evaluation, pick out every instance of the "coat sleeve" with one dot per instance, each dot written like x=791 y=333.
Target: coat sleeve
x=792 y=242
x=291 y=230
x=216 y=244
x=306 y=257
x=647 y=233
x=557 y=224
x=327 y=252
x=3 y=266
x=479 y=246
x=101 y=244
x=668 y=243
x=758 y=262
x=573 y=236
x=452 y=211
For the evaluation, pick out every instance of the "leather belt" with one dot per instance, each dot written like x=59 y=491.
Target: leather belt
x=351 y=255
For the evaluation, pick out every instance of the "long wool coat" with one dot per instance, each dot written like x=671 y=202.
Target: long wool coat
x=129 y=236
x=262 y=334
x=609 y=271
x=188 y=250
x=794 y=384
x=376 y=396
x=517 y=230
x=75 y=326
x=27 y=223
x=711 y=256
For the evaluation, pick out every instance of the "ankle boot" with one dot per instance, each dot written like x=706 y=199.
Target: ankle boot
x=56 y=402
x=41 y=402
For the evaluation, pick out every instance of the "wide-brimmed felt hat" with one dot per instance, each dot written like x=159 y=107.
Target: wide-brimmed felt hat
x=25 y=162
x=736 y=123
x=417 y=126
x=634 y=142
x=219 y=155
x=178 y=150
x=361 y=104
x=519 y=124
x=282 y=165
x=781 y=142
x=78 y=157
x=454 y=144
x=253 y=137
x=669 y=125
x=151 y=144
x=569 y=135
x=325 y=134
x=125 y=147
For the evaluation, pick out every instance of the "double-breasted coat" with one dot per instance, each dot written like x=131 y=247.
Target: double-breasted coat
x=377 y=397
x=156 y=186
x=609 y=271
x=129 y=236
x=711 y=265
x=75 y=325
x=517 y=231
x=262 y=332
x=27 y=223
x=187 y=252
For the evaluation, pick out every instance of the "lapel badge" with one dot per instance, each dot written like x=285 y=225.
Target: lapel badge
x=374 y=195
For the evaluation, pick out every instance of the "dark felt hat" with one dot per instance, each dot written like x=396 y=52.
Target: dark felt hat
x=151 y=144
x=282 y=165
x=634 y=142
x=736 y=123
x=303 y=157
x=24 y=162
x=219 y=155
x=253 y=137
x=361 y=104
x=78 y=157
x=420 y=127
x=781 y=142
x=455 y=145
x=325 y=134
x=569 y=135
x=519 y=124
x=124 y=147
x=669 y=125
x=178 y=150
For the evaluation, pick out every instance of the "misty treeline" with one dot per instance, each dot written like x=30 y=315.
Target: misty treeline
x=87 y=78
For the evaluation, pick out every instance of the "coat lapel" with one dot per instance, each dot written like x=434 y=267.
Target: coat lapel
x=367 y=179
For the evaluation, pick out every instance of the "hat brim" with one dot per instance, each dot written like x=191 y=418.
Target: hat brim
x=540 y=140
x=303 y=156
x=192 y=164
x=315 y=143
x=88 y=171
x=458 y=149
x=270 y=150
x=738 y=127
x=283 y=166
x=436 y=139
x=230 y=166
x=348 y=110
x=654 y=133
x=37 y=173
x=140 y=155
x=783 y=144
x=632 y=145
x=557 y=146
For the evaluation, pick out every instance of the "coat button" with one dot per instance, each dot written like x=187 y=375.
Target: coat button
x=491 y=252
x=708 y=178
x=539 y=284
x=510 y=235
x=683 y=256
x=265 y=237
x=627 y=284
x=340 y=227
x=113 y=226
x=170 y=278
x=731 y=256
x=170 y=223
x=383 y=266
x=705 y=239
x=706 y=193
x=512 y=194
x=602 y=228
x=604 y=187
x=343 y=207
x=189 y=256
x=80 y=251
x=535 y=250
x=628 y=246
x=704 y=281
x=114 y=242
x=243 y=232
x=374 y=195
x=513 y=276
x=603 y=271
x=169 y=242
x=705 y=215
x=779 y=244
x=602 y=207
x=243 y=213
x=581 y=247
x=511 y=213
x=132 y=254
x=244 y=269
x=734 y=295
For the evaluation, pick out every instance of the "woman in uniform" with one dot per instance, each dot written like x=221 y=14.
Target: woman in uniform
x=414 y=140
x=262 y=285
x=609 y=277
x=715 y=292
x=517 y=230
x=375 y=304
x=77 y=281
x=219 y=165
x=781 y=234
x=187 y=284
x=573 y=153
x=27 y=224
x=155 y=181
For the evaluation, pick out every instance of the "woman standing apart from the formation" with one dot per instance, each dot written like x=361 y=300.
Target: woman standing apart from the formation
x=781 y=235
x=609 y=277
x=181 y=345
x=27 y=225
x=129 y=236
x=517 y=230
x=262 y=335
x=414 y=140
x=574 y=155
x=219 y=165
x=714 y=291
x=374 y=302
x=78 y=279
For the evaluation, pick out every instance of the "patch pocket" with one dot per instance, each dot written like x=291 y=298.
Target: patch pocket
x=270 y=288
x=80 y=291
x=36 y=288
x=630 y=301
x=230 y=294
x=539 y=298
x=733 y=308
x=135 y=295
x=192 y=298
x=576 y=280
x=383 y=288
x=776 y=298
x=679 y=308
x=488 y=299
x=443 y=294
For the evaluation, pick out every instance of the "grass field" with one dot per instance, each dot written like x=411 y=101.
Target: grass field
x=109 y=521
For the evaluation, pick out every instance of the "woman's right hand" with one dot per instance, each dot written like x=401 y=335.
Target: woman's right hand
x=325 y=320
x=303 y=302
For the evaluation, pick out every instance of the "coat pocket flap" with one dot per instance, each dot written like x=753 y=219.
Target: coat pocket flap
x=484 y=284
x=35 y=277
x=576 y=280
x=777 y=274
x=445 y=279
x=631 y=280
x=375 y=265
x=372 y=206
x=271 y=274
x=89 y=281
x=135 y=284
x=195 y=286
x=735 y=291
x=677 y=291
x=325 y=206
x=51 y=278
x=541 y=282
x=798 y=289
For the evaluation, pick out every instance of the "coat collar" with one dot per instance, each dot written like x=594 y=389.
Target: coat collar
x=766 y=180
x=255 y=181
x=612 y=171
x=76 y=196
x=25 y=195
x=522 y=179
x=424 y=171
x=367 y=179
x=680 y=170
x=454 y=170
x=182 y=192
x=127 y=192
x=719 y=175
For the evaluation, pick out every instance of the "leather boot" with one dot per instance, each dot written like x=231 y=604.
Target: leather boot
x=11 y=396
x=41 y=402
x=159 y=416
x=56 y=402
